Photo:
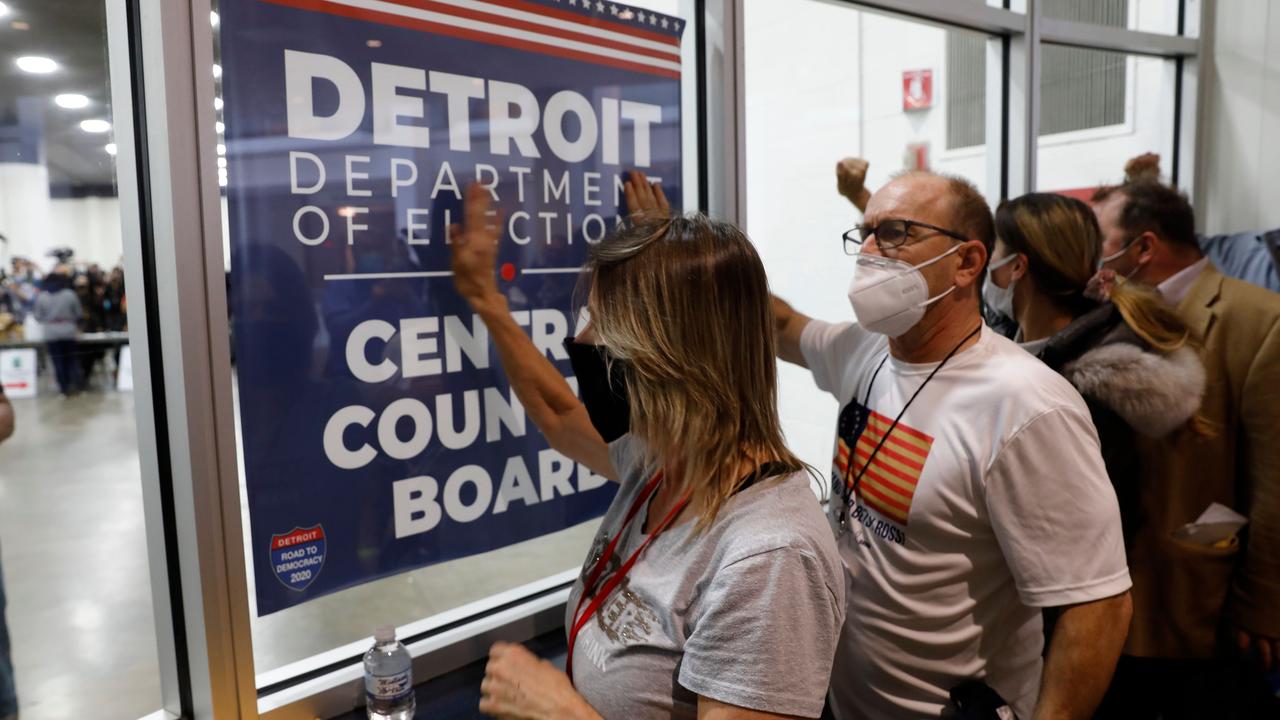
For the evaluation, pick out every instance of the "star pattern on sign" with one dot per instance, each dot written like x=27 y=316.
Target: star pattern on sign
x=613 y=9
x=653 y=19
x=599 y=7
x=664 y=23
x=640 y=17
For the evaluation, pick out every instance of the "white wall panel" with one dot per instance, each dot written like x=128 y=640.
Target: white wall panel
x=25 y=211
x=90 y=226
x=1235 y=134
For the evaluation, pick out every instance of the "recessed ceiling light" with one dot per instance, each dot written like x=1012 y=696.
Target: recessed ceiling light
x=71 y=101
x=217 y=103
x=213 y=19
x=36 y=65
x=4 y=9
x=217 y=71
x=222 y=163
x=219 y=127
x=111 y=149
x=222 y=149
x=19 y=25
x=95 y=126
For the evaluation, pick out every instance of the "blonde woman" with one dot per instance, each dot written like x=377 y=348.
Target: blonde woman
x=713 y=589
x=1129 y=356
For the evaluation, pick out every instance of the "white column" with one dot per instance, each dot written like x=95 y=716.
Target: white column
x=25 y=211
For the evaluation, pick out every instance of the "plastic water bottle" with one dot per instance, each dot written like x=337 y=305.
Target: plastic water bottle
x=388 y=678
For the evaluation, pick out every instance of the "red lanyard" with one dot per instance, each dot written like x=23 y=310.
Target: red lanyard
x=599 y=596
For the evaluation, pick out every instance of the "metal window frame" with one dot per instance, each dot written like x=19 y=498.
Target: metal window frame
x=173 y=262
x=1102 y=37
x=958 y=13
x=1022 y=29
x=1184 y=49
x=723 y=116
x=170 y=199
x=131 y=174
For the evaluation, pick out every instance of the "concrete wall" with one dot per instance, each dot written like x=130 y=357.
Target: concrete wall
x=34 y=223
x=25 y=211
x=91 y=226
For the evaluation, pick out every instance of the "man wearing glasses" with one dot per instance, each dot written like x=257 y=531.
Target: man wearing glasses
x=968 y=491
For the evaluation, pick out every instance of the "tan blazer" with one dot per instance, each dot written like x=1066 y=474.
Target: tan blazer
x=1183 y=592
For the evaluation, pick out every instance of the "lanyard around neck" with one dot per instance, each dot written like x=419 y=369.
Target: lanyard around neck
x=599 y=595
x=850 y=490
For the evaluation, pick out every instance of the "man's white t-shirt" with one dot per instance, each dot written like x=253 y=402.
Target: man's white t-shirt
x=987 y=502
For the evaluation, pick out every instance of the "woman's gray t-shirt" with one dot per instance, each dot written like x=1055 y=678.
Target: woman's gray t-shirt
x=747 y=612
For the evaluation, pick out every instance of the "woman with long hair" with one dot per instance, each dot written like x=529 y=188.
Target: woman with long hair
x=1129 y=354
x=713 y=589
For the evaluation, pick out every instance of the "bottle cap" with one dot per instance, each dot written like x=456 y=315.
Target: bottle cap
x=385 y=633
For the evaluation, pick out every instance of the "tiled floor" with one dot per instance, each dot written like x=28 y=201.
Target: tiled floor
x=75 y=563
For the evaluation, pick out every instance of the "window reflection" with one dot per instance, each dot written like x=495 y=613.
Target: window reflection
x=80 y=638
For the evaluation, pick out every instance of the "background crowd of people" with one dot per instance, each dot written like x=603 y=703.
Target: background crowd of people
x=1172 y=339
x=1068 y=508
x=1054 y=490
x=59 y=306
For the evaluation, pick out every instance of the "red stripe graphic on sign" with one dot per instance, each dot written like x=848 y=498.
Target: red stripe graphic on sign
x=568 y=16
x=491 y=38
x=566 y=34
x=297 y=537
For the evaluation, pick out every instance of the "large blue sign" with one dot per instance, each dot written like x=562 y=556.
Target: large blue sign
x=379 y=432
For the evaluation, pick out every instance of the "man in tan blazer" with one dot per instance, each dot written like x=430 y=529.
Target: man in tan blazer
x=1199 y=608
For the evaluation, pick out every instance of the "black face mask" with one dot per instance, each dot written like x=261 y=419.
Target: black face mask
x=604 y=393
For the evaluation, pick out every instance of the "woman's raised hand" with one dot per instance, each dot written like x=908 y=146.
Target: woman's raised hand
x=644 y=199
x=475 y=247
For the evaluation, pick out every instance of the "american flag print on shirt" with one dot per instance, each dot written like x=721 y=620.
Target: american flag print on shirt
x=889 y=484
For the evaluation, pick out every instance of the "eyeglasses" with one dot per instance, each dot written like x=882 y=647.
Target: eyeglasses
x=890 y=234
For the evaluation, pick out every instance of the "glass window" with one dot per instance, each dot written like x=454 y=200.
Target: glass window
x=324 y=288
x=826 y=81
x=75 y=588
x=1081 y=89
x=1154 y=16
x=966 y=89
x=1098 y=109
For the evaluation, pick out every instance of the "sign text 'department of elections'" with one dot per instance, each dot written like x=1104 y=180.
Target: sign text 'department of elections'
x=379 y=432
